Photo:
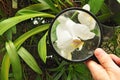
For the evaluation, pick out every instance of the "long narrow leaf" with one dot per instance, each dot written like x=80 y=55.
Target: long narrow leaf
x=8 y=23
x=57 y=77
x=28 y=34
x=95 y=5
x=34 y=7
x=17 y=43
x=5 y=68
x=69 y=2
x=42 y=48
x=61 y=65
x=14 y=59
x=50 y=4
x=105 y=13
x=28 y=58
x=69 y=75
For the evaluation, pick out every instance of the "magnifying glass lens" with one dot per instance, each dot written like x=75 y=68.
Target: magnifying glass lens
x=75 y=34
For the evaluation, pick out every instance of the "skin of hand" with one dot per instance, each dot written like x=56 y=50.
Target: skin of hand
x=108 y=67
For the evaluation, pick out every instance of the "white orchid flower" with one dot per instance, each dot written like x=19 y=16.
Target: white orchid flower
x=65 y=37
x=85 y=18
x=86 y=7
x=69 y=35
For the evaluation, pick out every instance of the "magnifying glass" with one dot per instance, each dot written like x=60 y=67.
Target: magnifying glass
x=74 y=34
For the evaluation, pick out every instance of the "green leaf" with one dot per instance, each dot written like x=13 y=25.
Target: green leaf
x=8 y=34
x=105 y=9
x=105 y=13
x=95 y=5
x=18 y=42
x=69 y=2
x=29 y=60
x=50 y=4
x=42 y=48
x=57 y=77
x=61 y=3
x=30 y=33
x=38 y=77
x=53 y=31
x=69 y=75
x=34 y=7
x=5 y=68
x=102 y=18
x=15 y=60
x=8 y=23
x=61 y=65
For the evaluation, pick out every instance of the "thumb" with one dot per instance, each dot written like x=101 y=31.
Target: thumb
x=104 y=59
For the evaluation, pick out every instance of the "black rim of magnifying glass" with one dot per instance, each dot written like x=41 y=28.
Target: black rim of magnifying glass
x=79 y=9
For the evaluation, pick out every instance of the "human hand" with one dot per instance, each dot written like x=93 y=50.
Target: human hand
x=108 y=68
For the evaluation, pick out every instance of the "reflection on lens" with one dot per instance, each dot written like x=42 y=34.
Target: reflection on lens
x=75 y=34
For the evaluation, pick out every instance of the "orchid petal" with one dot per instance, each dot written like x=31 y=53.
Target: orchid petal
x=62 y=29
x=66 y=55
x=62 y=36
x=66 y=24
x=83 y=32
x=65 y=20
x=86 y=19
x=86 y=7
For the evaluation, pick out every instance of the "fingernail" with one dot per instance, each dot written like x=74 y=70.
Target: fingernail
x=99 y=52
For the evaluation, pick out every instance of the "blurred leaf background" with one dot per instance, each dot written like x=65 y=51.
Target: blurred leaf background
x=25 y=52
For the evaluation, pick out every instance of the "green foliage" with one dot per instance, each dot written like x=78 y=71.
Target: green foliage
x=6 y=28
x=28 y=58
x=42 y=48
x=50 y=4
x=5 y=68
x=19 y=41
x=95 y=5
x=13 y=41
x=17 y=19
x=15 y=60
x=105 y=13
x=34 y=7
x=112 y=44
x=71 y=71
